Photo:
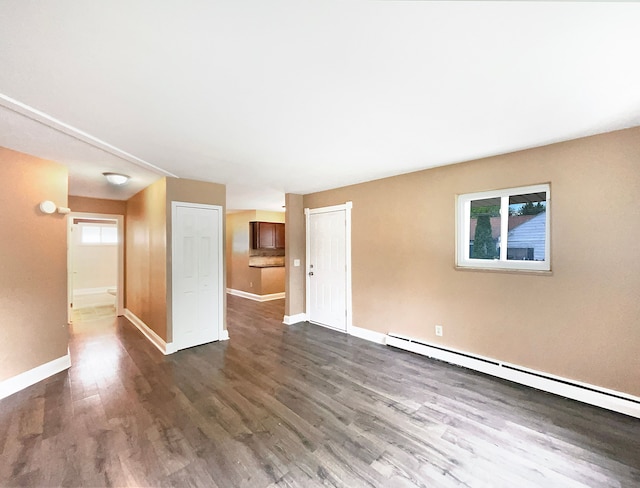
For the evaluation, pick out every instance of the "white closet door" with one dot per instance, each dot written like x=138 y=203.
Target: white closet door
x=197 y=292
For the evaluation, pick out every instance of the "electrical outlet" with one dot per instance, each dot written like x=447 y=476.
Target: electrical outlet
x=438 y=330
x=251 y=284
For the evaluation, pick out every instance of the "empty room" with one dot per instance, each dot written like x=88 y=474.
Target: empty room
x=324 y=243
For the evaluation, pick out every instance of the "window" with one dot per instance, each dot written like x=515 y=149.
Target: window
x=99 y=234
x=504 y=229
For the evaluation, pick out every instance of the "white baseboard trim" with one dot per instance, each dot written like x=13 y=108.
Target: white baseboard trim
x=224 y=335
x=33 y=376
x=582 y=392
x=253 y=296
x=294 y=319
x=155 y=339
x=93 y=291
x=368 y=335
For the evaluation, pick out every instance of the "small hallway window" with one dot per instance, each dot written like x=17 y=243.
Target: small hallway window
x=98 y=234
x=504 y=229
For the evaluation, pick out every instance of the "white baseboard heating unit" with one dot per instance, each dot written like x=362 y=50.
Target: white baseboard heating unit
x=582 y=392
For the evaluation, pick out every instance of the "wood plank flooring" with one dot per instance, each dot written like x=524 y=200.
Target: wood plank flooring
x=297 y=406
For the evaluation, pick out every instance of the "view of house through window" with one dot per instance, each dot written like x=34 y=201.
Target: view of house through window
x=504 y=229
x=527 y=227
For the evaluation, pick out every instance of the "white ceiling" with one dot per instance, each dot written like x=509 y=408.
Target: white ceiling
x=297 y=96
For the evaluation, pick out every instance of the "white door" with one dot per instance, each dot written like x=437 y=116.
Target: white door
x=327 y=268
x=196 y=274
x=88 y=267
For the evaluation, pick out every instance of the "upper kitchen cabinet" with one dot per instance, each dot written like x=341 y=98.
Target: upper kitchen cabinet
x=267 y=235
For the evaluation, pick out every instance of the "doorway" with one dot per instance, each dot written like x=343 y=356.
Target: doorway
x=197 y=274
x=95 y=265
x=328 y=280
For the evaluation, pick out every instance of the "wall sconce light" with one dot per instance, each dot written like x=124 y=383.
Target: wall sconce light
x=116 y=178
x=48 y=207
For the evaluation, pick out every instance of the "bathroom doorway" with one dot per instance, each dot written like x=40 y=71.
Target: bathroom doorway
x=95 y=266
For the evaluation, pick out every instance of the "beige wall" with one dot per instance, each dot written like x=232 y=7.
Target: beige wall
x=33 y=264
x=272 y=279
x=239 y=275
x=93 y=266
x=580 y=322
x=259 y=281
x=97 y=205
x=268 y=216
x=146 y=251
x=192 y=191
x=295 y=249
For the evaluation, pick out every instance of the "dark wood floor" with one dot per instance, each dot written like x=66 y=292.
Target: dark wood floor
x=297 y=406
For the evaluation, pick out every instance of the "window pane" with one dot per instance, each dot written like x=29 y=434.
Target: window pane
x=527 y=227
x=90 y=234
x=109 y=234
x=484 y=230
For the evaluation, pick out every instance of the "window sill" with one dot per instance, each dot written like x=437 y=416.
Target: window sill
x=506 y=270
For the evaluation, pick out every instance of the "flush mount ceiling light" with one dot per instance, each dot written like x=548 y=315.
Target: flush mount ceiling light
x=116 y=178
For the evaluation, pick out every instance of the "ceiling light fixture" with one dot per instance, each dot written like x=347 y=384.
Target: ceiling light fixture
x=116 y=178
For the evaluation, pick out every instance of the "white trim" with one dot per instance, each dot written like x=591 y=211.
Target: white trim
x=93 y=291
x=335 y=329
x=224 y=335
x=221 y=270
x=55 y=124
x=121 y=244
x=294 y=319
x=253 y=296
x=24 y=380
x=368 y=335
x=332 y=208
x=576 y=390
x=162 y=346
x=346 y=208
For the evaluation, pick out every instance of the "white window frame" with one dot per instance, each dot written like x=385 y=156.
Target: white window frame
x=101 y=242
x=463 y=230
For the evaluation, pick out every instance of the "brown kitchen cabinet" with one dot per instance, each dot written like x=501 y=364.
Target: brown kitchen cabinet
x=279 y=236
x=267 y=235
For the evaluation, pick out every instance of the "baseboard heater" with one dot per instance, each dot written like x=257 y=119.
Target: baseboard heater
x=582 y=392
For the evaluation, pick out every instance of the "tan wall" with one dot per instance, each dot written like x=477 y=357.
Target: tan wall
x=295 y=249
x=268 y=216
x=192 y=191
x=272 y=280
x=146 y=250
x=259 y=281
x=33 y=264
x=97 y=205
x=149 y=247
x=239 y=275
x=93 y=266
x=580 y=322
